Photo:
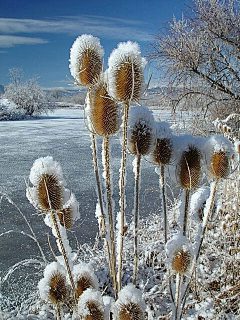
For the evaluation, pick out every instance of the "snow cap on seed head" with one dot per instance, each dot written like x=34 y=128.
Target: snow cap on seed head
x=130 y=305
x=141 y=131
x=180 y=254
x=53 y=287
x=91 y=305
x=85 y=59
x=125 y=72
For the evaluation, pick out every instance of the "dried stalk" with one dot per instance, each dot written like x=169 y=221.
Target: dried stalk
x=122 y=193
x=178 y=291
x=164 y=205
x=187 y=193
x=136 y=206
x=58 y=311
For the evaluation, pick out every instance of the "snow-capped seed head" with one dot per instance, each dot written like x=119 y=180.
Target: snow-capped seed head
x=125 y=73
x=85 y=59
x=69 y=213
x=53 y=287
x=190 y=168
x=180 y=254
x=84 y=278
x=104 y=111
x=220 y=165
x=129 y=305
x=141 y=133
x=49 y=192
x=91 y=306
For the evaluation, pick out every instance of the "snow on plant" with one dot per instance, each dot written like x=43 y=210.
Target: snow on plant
x=91 y=306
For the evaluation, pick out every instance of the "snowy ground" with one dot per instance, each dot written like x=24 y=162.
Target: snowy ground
x=62 y=135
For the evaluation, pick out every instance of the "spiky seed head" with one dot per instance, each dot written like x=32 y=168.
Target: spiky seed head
x=141 y=137
x=58 y=288
x=66 y=217
x=85 y=60
x=95 y=312
x=163 y=151
x=84 y=282
x=220 y=164
x=49 y=192
x=91 y=306
x=190 y=168
x=104 y=111
x=130 y=311
x=125 y=73
x=181 y=261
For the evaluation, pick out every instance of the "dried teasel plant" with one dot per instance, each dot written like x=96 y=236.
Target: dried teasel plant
x=140 y=142
x=125 y=82
x=84 y=278
x=86 y=60
x=129 y=305
x=91 y=306
x=161 y=156
x=53 y=287
x=189 y=173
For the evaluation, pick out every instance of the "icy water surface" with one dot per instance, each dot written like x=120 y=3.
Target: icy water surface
x=62 y=135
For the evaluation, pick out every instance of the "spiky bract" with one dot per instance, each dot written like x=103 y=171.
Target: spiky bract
x=85 y=60
x=49 y=192
x=125 y=72
x=190 y=168
x=104 y=112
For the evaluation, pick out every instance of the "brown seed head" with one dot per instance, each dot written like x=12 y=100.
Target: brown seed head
x=83 y=283
x=66 y=217
x=58 y=288
x=181 y=261
x=190 y=168
x=95 y=312
x=130 y=311
x=129 y=80
x=49 y=191
x=220 y=164
x=140 y=139
x=162 y=152
x=103 y=111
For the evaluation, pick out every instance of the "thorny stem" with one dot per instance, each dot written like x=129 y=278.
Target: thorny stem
x=202 y=237
x=110 y=211
x=164 y=201
x=63 y=251
x=58 y=311
x=136 y=206
x=102 y=227
x=122 y=193
x=187 y=192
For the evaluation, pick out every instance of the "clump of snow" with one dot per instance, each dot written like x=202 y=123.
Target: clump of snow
x=87 y=298
x=86 y=270
x=198 y=199
x=44 y=284
x=80 y=45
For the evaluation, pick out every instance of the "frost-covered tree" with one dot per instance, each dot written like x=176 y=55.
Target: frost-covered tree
x=28 y=96
x=199 y=57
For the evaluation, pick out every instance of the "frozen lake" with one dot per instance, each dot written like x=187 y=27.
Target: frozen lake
x=62 y=135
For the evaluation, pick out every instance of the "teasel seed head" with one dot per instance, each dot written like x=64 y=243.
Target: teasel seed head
x=129 y=305
x=141 y=131
x=53 y=287
x=65 y=218
x=190 y=168
x=104 y=111
x=85 y=59
x=125 y=73
x=180 y=254
x=220 y=165
x=163 y=151
x=91 y=306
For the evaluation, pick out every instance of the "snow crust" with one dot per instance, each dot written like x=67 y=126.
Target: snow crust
x=82 y=43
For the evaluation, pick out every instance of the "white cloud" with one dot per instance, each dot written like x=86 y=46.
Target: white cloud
x=8 y=41
x=105 y=27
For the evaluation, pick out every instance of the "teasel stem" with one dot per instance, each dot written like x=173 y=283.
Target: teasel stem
x=178 y=291
x=58 y=311
x=100 y=199
x=64 y=254
x=202 y=237
x=106 y=144
x=136 y=206
x=122 y=191
x=164 y=205
x=187 y=194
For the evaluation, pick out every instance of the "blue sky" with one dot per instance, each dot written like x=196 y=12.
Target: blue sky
x=36 y=35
